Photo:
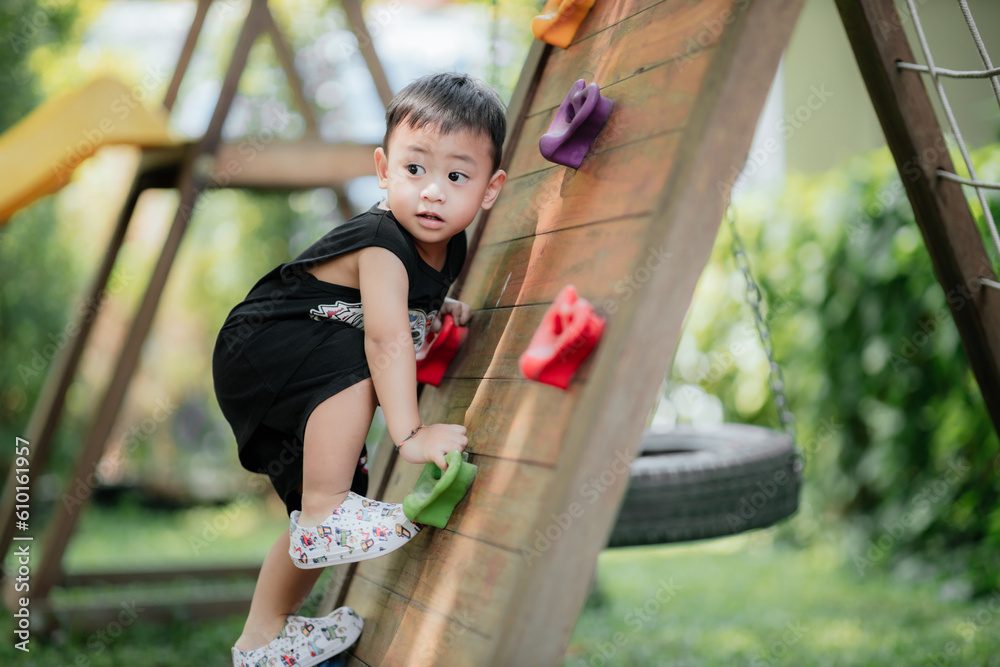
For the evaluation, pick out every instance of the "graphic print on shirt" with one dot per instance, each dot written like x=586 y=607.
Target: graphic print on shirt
x=340 y=310
x=352 y=314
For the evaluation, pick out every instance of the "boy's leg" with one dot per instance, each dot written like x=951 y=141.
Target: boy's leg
x=335 y=433
x=281 y=589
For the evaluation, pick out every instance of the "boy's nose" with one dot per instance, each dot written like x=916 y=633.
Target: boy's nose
x=432 y=192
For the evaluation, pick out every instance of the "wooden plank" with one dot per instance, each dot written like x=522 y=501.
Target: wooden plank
x=426 y=638
x=398 y=632
x=939 y=206
x=533 y=270
x=344 y=206
x=497 y=482
x=501 y=335
x=601 y=417
x=523 y=92
x=540 y=266
x=498 y=476
x=61 y=526
x=118 y=576
x=653 y=38
x=606 y=15
x=290 y=165
x=48 y=408
x=201 y=11
x=641 y=337
x=424 y=573
x=383 y=612
x=518 y=420
x=356 y=19
x=652 y=103
x=609 y=185
x=336 y=588
x=287 y=61
x=486 y=329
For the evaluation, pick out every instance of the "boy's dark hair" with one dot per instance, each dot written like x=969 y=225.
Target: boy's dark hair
x=452 y=102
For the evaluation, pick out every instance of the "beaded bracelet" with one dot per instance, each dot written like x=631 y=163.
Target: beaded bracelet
x=412 y=433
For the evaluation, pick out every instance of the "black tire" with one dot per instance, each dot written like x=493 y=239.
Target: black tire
x=693 y=483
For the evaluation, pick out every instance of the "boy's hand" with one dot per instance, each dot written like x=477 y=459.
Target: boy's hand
x=432 y=442
x=460 y=311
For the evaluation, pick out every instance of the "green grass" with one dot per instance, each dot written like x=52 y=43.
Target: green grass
x=747 y=601
x=130 y=537
x=241 y=532
x=739 y=601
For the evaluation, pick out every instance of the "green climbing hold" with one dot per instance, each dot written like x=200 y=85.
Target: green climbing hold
x=436 y=493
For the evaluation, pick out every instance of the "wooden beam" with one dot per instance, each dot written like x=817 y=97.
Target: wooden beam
x=940 y=207
x=686 y=32
x=344 y=206
x=119 y=576
x=641 y=336
x=255 y=163
x=186 y=52
x=47 y=410
x=404 y=633
x=356 y=19
x=290 y=165
x=531 y=72
x=667 y=88
x=287 y=60
x=484 y=590
x=63 y=522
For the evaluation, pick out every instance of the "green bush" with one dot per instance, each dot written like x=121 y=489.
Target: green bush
x=890 y=418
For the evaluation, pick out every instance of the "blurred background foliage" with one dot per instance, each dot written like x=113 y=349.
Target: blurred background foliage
x=890 y=419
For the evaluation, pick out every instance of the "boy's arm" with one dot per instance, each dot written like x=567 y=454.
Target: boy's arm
x=388 y=342
x=393 y=361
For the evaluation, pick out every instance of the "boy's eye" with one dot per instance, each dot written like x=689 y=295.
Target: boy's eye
x=415 y=169
x=457 y=177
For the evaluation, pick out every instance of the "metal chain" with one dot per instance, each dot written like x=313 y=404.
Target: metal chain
x=755 y=298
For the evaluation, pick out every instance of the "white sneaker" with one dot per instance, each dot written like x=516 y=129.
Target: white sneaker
x=306 y=641
x=358 y=529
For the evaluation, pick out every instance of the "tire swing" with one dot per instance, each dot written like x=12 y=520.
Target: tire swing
x=698 y=482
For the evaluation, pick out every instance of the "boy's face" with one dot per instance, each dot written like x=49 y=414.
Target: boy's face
x=436 y=183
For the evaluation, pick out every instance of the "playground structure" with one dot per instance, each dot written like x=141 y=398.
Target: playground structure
x=487 y=589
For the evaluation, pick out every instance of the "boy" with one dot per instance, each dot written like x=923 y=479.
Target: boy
x=319 y=342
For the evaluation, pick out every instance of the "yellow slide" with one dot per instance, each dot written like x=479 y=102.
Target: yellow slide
x=39 y=154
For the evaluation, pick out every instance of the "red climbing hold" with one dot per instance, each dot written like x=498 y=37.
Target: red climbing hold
x=438 y=351
x=567 y=334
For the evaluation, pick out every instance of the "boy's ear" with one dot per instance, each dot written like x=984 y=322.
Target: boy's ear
x=382 y=168
x=493 y=189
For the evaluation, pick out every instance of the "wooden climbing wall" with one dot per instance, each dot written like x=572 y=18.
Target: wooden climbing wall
x=632 y=230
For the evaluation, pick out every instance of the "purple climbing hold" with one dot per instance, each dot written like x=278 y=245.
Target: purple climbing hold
x=577 y=123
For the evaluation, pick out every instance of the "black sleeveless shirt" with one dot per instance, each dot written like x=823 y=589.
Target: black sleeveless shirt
x=290 y=292
x=291 y=323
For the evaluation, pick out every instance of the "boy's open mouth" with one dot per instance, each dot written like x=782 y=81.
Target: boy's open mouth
x=430 y=216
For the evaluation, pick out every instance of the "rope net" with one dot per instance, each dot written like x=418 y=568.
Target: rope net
x=936 y=73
